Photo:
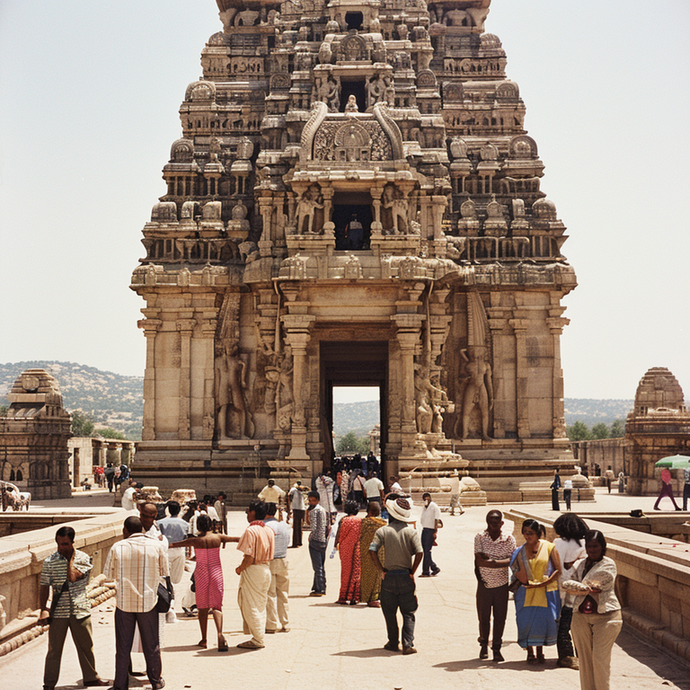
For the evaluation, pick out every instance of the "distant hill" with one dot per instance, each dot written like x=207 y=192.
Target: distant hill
x=118 y=402
x=110 y=399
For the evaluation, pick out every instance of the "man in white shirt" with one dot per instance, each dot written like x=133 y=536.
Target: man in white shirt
x=430 y=521
x=136 y=563
x=129 y=496
x=271 y=493
x=373 y=489
x=277 y=602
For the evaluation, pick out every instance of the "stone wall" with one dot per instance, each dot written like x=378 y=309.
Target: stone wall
x=602 y=452
x=22 y=556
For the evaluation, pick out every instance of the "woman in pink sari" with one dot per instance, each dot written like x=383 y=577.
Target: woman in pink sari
x=347 y=542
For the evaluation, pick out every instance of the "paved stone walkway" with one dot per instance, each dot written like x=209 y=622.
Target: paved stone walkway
x=333 y=647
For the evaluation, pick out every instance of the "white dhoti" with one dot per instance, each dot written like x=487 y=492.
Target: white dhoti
x=176 y=561
x=277 y=602
x=251 y=597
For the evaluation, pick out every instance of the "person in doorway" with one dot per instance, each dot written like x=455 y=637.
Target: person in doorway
x=354 y=233
x=258 y=546
x=136 y=564
x=403 y=554
x=492 y=552
x=431 y=523
x=373 y=488
x=67 y=572
x=320 y=524
x=295 y=510
x=555 y=486
x=666 y=489
x=597 y=618
x=609 y=476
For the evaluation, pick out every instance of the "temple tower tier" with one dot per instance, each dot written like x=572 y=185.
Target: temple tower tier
x=354 y=200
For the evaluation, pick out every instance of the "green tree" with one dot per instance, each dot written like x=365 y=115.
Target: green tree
x=82 y=425
x=600 y=431
x=350 y=443
x=617 y=428
x=579 y=432
x=3 y=410
x=111 y=433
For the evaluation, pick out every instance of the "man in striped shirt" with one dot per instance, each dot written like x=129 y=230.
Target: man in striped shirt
x=492 y=552
x=67 y=572
x=137 y=564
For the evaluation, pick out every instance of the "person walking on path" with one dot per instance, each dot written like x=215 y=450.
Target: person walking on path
x=570 y=545
x=686 y=487
x=208 y=577
x=402 y=558
x=370 y=580
x=567 y=492
x=277 y=609
x=319 y=521
x=347 y=542
x=666 y=489
x=597 y=618
x=136 y=564
x=67 y=573
x=492 y=552
x=271 y=493
x=358 y=488
x=536 y=567
x=555 y=486
x=295 y=510
x=221 y=510
x=258 y=545
x=175 y=529
x=373 y=488
x=431 y=522
x=609 y=476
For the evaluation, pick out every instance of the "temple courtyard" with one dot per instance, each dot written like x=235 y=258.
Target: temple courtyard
x=341 y=647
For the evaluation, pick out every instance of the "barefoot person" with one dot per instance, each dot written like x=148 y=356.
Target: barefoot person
x=208 y=577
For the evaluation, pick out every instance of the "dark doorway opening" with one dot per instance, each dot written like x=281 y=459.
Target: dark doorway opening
x=353 y=364
x=356 y=89
x=354 y=20
x=348 y=236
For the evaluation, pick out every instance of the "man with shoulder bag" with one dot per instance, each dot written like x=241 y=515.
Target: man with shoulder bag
x=67 y=573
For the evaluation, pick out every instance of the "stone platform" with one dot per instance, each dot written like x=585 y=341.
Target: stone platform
x=334 y=647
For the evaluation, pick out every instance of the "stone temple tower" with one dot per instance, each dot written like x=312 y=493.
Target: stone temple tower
x=354 y=201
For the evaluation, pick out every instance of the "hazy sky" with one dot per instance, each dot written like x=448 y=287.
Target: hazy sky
x=90 y=94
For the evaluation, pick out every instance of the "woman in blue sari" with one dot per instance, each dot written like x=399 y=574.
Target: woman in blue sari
x=535 y=566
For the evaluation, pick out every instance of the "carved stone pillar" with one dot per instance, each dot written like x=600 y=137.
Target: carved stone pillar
x=185 y=327
x=150 y=326
x=503 y=412
x=297 y=335
x=438 y=208
x=556 y=323
x=425 y=216
x=208 y=330
x=328 y=225
x=266 y=210
x=522 y=378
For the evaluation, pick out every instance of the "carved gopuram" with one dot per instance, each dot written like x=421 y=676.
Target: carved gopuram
x=354 y=201
x=34 y=435
x=657 y=427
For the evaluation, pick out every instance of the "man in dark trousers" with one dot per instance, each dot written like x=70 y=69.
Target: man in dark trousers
x=67 y=572
x=492 y=552
x=403 y=554
x=555 y=486
x=136 y=564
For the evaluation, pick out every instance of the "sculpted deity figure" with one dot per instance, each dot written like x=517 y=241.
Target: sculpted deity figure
x=429 y=400
x=351 y=106
x=374 y=90
x=284 y=396
x=230 y=385
x=398 y=207
x=310 y=201
x=478 y=390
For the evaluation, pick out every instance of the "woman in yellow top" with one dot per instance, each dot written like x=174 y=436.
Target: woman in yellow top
x=535 y=566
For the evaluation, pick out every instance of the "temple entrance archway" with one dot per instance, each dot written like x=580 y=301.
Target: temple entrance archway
x=347 y=207
x=348 y=363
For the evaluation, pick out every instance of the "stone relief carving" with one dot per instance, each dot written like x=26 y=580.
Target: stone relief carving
x=327 y=89
x=233 y=417
x=361 y=140
x=429 y=401
x=394 y=211
x=309 y=203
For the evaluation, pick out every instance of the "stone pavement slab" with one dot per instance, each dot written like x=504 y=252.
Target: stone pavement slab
x=332 y=647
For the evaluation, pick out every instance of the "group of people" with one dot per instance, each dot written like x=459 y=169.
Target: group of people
x=558 y=587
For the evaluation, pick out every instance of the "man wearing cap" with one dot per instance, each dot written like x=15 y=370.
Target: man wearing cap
x=403 y=554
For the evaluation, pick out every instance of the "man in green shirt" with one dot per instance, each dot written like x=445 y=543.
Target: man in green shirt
x=403 y=554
